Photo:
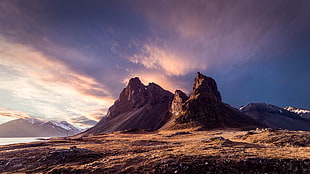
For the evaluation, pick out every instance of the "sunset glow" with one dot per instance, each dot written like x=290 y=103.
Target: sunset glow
x=70 y=60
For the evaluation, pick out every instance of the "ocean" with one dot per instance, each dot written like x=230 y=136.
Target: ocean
x=5 y=141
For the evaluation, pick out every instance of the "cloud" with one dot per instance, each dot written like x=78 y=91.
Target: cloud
x=13 y=114
x=90 y=118
x=213 y=34
x=36 y=64
x=47 y=86
x=83 y=121
x=165 y=60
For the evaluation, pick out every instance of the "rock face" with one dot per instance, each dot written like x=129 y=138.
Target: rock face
x=275 y=117
x=179 y=98
x=205 y=109
x=205 y=85
x=138 y=107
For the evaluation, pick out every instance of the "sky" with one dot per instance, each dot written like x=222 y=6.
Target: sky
x=69 y=60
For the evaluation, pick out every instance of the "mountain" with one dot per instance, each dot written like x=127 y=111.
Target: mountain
x=276 y=117
x=138 y=107
x=30 y=127
x=152 y=107
x=304 y=113
x=204 y=109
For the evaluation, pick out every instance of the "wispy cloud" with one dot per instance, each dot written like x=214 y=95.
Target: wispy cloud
x=214 y=34
x=48 y=86
x=165 y=60
x=13 y=114
x=83 y=121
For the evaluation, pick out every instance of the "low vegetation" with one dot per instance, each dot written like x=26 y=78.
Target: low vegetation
x=184 y=151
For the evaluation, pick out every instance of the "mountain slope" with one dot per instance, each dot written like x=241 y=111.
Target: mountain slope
x=304 y=113
x=275 y=117
x=36 y=128
x=138 y=106
x=204 y=108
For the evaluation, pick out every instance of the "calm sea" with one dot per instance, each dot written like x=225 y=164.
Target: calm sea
x=5 y=141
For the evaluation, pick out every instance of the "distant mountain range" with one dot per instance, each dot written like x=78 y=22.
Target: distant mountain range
x=276 y=117
x=30 y=127
x=304 y=113
x=152 y=107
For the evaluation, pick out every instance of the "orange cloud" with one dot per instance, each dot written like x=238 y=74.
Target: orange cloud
x=89 y=119
x=48 y=86
x=158 y=58
x=47 y=69
x=13 y=114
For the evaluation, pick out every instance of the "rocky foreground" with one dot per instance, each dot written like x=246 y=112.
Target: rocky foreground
x=182 y=151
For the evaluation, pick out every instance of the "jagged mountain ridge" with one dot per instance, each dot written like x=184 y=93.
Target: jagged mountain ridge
x=275 y=117
x=204 y=109
x=31 y=127
x=138 y=107
x=152 y=107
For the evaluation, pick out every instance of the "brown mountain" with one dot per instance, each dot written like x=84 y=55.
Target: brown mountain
x=152 y=107
x=204 y=108
x=138 y=107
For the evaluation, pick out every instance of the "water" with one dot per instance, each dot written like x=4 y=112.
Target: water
x=5 y=141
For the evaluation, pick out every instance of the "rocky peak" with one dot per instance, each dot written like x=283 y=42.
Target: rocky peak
x=134 y=87
x=180 y=96
x=207 y=85
x=178 y=100
x=138 y=107
x=205 y=109
x=136 y=95
x=135 y=83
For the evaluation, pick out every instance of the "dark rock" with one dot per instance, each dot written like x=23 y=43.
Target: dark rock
x=205 y=109
x=204 y=84
x=179 y=133
x=138 y=107
x=178 y=100
x=151 y=107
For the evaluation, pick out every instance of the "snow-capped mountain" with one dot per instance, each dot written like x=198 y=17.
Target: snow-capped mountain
x=275 y=117
x=305 y=113
x=31 y=127
x=264 y=107
x=65 y=125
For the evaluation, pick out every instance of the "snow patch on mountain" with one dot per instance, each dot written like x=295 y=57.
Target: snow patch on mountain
x=64 y=125
x=34 y=121
x=298 y=110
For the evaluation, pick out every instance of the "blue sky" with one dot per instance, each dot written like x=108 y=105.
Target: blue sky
x=69 y=60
